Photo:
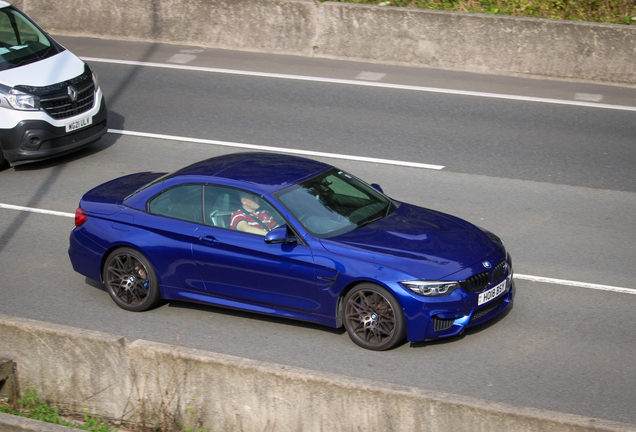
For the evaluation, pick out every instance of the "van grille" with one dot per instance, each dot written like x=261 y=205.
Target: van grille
x=56 y=101
x=62 y=107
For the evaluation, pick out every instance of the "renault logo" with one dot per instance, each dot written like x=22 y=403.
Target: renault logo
x=72 y=94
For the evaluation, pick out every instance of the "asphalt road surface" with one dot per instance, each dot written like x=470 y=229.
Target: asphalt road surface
x=547 y=165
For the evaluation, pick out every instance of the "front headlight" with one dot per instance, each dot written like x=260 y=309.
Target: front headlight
x=23 y=101
x=430 y=288
x=95 y=81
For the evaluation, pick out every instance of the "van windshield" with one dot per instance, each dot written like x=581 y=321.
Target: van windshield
x=21 y=41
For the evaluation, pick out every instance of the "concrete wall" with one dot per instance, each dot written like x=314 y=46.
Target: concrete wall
x=481 y=43
x=112 y=376
x=415 y=37
x=8 y=387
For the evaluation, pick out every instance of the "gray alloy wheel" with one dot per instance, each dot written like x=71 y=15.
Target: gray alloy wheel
x=373 y=318
x=131 y=281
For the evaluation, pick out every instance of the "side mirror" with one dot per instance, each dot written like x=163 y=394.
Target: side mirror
x=377 y=187
x=279 y=235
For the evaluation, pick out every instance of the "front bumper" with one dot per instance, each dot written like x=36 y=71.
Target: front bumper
x=440 y=327
x=445 y=316
x=36 y=140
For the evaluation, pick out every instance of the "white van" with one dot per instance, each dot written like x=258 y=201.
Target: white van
x=50 y=100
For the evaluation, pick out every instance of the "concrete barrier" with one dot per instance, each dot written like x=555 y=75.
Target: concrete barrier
x=114 y=377
x=415 y=37
x=9 y=423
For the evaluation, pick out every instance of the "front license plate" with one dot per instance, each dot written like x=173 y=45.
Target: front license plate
x=492 y=293
x=78 y=124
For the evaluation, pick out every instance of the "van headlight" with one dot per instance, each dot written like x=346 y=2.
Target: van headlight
x=95 y=81
x=430 y=288
x=23 y=101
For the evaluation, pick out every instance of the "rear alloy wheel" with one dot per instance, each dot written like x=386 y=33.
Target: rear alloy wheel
x=131 y=281
x=373 y=318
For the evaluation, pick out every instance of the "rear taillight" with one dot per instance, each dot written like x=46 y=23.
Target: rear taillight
x=80 y=217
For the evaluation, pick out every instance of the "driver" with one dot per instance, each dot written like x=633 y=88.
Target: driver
x=249 y=218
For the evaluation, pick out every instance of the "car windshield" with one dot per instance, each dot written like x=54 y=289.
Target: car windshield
x=21 y=41
x=333 y=203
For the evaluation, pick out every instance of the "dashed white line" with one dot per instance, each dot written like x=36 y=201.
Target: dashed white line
x=364 y=83
x=517 y=276
x=370 y=76
x=589 y=97
x=278 y=149
x=181 y=58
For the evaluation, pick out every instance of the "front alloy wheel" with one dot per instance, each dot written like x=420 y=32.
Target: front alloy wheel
x=130 y=280
x=373 y=318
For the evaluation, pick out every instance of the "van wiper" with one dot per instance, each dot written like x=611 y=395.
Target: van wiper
x=46 y=53
x=22 y=62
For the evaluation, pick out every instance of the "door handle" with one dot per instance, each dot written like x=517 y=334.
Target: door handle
x=209 y=239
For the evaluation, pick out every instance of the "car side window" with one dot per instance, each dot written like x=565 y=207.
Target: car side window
x=223 y=207
x=219 y=204
x=182 y=202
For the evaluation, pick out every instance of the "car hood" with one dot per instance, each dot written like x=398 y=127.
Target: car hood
x=58 y=68
x=417 y=241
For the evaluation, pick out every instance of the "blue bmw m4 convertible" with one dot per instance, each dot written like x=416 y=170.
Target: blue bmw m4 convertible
x=295 y=238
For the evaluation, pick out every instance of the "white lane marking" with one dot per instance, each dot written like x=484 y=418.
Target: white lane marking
x=35 y=210
x=370 y=76
x=516 y=276
x=588 y=97
x=575 y=284
x=278 y=149
x=365 y=83
x=181 y=58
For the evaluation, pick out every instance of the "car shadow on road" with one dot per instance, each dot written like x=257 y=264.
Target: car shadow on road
x=100 y=286
x=254 y=316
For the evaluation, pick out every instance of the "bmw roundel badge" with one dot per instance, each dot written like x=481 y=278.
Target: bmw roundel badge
x=487 y=264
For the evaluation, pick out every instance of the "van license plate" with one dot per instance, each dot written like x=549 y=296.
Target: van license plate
x=486 y=296
x=78 y=124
